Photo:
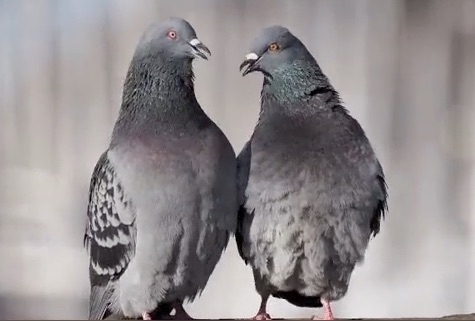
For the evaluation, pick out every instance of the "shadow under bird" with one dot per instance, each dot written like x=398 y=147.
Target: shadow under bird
x=311 y=190
x=162 y=199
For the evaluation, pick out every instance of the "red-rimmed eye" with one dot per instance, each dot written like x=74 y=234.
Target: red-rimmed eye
x=171 y=34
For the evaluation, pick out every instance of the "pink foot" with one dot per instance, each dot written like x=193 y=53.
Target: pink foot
x=262 y=313
x=262 y=316
x=327 y=311
x=146 y=316
x=326 y=317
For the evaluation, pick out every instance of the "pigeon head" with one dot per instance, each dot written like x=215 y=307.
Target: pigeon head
x=290 y=71
x=273 y=51
x=174 y=39
x=160 y=82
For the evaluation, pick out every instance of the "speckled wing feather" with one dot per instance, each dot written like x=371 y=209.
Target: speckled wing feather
x=110 y=235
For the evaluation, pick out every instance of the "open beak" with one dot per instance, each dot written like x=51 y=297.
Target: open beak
x=199 y=49
x=250 y=63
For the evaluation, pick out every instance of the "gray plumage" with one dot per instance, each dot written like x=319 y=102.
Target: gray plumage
x=311 y=190
x=162 y=199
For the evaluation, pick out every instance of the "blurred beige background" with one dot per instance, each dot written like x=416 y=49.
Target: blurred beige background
x=405 y=69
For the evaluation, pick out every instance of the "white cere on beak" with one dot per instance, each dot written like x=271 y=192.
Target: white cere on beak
x=195 y=42
x=252 y=56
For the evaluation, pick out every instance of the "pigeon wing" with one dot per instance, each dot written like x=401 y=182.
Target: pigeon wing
x=243 y=168
x=110 y=235
x=382 y=204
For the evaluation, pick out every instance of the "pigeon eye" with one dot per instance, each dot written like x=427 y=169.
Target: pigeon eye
x=171 y=34
x=274 y=46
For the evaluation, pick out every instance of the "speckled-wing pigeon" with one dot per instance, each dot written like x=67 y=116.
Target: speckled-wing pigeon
x=311 y=190
x=162 y=200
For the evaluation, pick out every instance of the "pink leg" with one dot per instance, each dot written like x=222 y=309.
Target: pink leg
x=262 y=313
x=327 y=311
x=180 y=313
x=146 y=316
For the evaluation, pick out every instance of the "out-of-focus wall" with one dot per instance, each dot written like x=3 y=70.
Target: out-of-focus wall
x=405 y=69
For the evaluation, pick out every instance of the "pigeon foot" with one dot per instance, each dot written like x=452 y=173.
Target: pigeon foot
x=146 y=316
x=322 y=318
x=262 y=312
x=262 y=316
x=327 y=311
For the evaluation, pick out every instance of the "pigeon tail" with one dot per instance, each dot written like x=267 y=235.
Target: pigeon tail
x=298 y=299
x=161 y=312
x=99 y=302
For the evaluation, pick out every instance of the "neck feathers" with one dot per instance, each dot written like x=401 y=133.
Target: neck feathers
x=157 y=83
x=157 y=94
x=300 y=87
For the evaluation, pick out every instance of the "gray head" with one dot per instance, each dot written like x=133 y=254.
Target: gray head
x=290 y=71
x=173 y=38
x=274 y=49
x=159 y=82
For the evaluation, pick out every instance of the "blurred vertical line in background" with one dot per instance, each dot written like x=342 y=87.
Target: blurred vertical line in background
x=6 y=82
x=14 y=83
x=54 y=78
x=35 y=103
x=107 y=32
x=464 y=130
x=423 y=80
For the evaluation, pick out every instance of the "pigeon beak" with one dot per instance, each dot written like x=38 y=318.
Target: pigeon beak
x=199 y=50
x=250 y=62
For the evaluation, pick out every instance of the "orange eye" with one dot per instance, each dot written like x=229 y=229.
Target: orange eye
x=171 y=34
x=273 y=46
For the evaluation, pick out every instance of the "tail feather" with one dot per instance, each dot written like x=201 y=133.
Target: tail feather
x=298 y=299
x=99 y=301
x=162 y=311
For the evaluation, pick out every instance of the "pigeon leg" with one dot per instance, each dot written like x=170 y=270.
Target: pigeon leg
x=180 y=313
x=146 y=316
x=327 y=311
x=262 y=313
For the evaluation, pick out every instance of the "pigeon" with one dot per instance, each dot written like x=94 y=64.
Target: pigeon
x=311 y=189
x=163 y=196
